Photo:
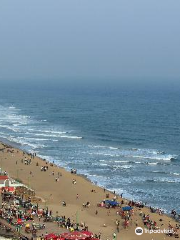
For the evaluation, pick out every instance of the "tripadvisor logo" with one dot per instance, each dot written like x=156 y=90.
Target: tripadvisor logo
x=138 y=231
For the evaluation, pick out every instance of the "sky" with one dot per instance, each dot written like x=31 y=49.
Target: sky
x=89 y=40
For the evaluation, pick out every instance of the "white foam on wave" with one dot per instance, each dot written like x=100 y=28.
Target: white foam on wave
x=126 y=166
x=176 y=174
x=46 y=135
x=34 y=139
x=162 y=158
x=48 y=158
x=12 y=107
x=9 y=128
x=58 y=132
x=12 y=120
x=119 y=161
x=122 y=166
x=149 y=154
x=71 y=137
x=113 y=148
x=58 y=135
x=141 y=154
x=16 y=124
x=25 y=143
x=97 y=146
x=152 y=163
x=108 y=154
x=45 y=132
x=167 y=180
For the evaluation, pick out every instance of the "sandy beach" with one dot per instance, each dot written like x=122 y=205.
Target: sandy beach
x=56 y=185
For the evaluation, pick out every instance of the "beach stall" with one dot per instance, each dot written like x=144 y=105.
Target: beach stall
x=7 y=184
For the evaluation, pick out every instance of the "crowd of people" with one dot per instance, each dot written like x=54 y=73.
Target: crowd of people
x=24 y=216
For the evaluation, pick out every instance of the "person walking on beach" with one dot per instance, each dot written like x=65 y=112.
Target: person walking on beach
x=77 y=196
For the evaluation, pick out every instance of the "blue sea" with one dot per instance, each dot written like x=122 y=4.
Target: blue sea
x=127 y=140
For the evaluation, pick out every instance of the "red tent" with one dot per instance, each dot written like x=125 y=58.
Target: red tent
x=64 y=235
x=77 y=235
x=87 y=233
x=51 y=236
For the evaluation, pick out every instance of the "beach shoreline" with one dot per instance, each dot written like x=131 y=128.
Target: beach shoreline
x=85 y=177
x=33 y=177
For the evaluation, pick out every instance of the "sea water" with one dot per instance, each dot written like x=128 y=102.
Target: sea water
x=124 y=140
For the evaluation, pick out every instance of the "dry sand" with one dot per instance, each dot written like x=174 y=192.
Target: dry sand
x=53 y=193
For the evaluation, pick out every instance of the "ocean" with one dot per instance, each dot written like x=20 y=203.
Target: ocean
x=127 y=140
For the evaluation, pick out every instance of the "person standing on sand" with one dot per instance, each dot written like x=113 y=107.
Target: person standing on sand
x=114 y=236
x=77 y=196
x=108 y=212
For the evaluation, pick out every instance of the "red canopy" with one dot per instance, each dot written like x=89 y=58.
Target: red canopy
x=9 y=189
x=87 y=233
x=51 y=236
x=63 y=235
x=82 y=235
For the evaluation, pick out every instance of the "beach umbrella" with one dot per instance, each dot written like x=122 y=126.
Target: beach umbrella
x=111 y=202
x=127 y=208
x=19 y=221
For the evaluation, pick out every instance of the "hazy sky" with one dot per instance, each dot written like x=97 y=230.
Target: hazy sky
x=89 y=39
